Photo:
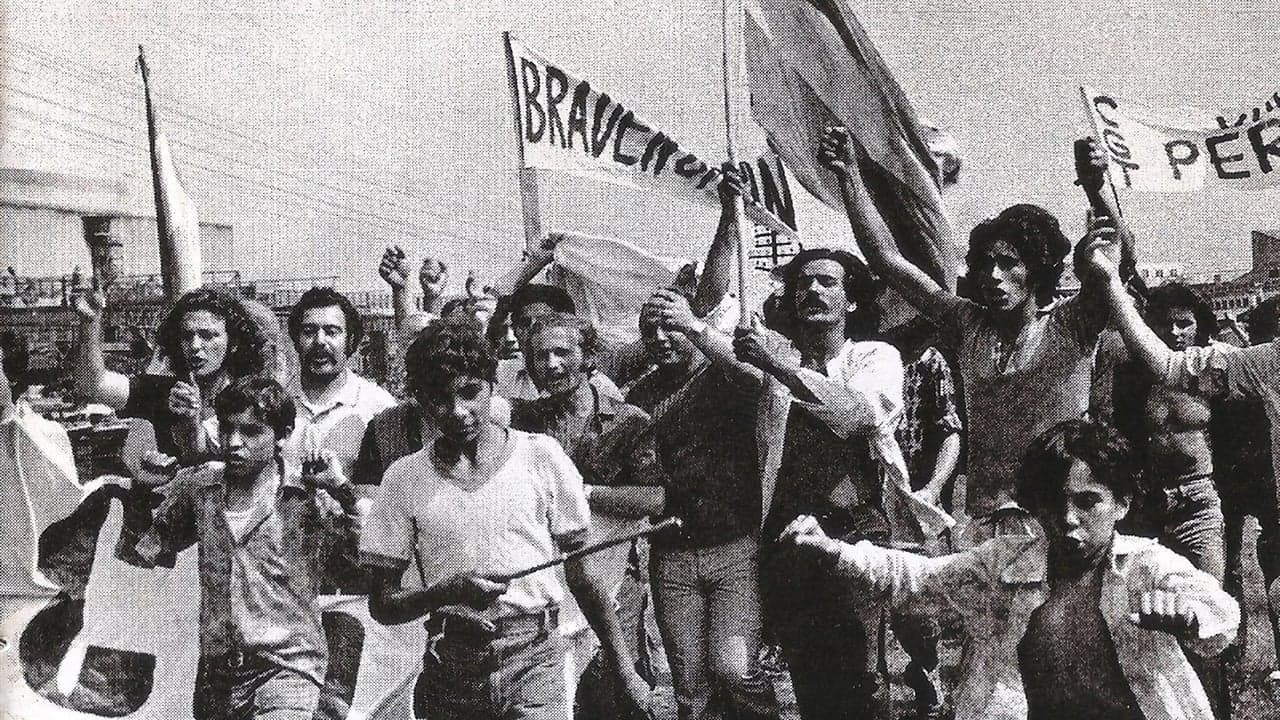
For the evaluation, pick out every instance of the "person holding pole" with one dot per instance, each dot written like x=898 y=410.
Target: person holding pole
x=479 y=504
x=1025 y=358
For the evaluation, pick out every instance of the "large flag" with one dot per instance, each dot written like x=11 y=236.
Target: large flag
x=811 y=64
x=177 y=224
x=1171 y=151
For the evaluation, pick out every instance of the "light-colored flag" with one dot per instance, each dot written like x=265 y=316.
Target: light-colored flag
x=177 y=224
x=811 y=64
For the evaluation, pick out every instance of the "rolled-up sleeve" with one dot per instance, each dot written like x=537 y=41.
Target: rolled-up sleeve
x=866 y=395
x=387 y=536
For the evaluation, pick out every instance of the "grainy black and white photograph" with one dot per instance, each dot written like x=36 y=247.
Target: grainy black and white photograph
x=664 y=360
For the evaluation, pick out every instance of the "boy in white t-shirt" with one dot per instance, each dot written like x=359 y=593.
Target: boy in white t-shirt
x=480 y=502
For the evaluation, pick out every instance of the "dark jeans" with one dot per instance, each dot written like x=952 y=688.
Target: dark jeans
x=256 y=689
x=708 y=607
x=1193 y=525
x=518 y=675
x=823 y=637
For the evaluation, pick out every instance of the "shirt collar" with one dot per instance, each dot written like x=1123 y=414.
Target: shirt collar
x=348 y=394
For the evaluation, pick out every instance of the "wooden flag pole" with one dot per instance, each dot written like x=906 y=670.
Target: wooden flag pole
x=739 y=212
x=533 y=234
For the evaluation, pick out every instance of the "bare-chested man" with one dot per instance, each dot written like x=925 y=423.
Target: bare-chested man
x=1171 y=427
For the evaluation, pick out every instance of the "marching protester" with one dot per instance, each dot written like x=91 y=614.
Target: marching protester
x=1243 y=467
x=1214 y=370
x=267 y=544
x=334 y=403
x=611 y=444
x=474 y=509
x=1169 y=430
x=1024 y=359
x=825 y=419
x=208 y=340
x=1080 y=622
x=930 y=436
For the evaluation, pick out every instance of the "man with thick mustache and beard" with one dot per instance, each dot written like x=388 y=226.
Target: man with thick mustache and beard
x=825 y=419
x=334 y=403
x=1025 y=358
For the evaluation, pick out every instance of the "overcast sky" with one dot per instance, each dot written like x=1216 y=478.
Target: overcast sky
x=323 y=131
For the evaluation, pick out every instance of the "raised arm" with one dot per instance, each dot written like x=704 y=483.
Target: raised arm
x=673 y=312
x=93 y=381
x=874 y=237
x=532 y=264
x=1095 y=261
x=717 y=270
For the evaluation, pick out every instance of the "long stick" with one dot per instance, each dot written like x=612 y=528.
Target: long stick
x=739 y=213
x=673 y=522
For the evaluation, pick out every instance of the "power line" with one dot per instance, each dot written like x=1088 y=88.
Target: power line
x=171 y=109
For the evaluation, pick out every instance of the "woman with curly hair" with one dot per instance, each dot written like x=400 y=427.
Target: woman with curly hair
x=207 y=339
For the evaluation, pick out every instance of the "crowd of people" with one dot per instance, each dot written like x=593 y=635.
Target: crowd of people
x=809 y=457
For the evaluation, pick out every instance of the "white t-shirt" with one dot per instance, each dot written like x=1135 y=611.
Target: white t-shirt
x=505 y=525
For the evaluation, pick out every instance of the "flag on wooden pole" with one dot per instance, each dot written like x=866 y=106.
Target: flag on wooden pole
x=811 y=65
x=177 y=224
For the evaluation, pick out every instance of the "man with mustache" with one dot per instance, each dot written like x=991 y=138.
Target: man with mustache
x=334 y=403
x=1025 y=358
x=826 y=413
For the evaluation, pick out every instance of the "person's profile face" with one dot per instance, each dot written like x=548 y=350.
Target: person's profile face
x=202 y=338
x=819 y=297
x=1082 y=520
x=1001 y=279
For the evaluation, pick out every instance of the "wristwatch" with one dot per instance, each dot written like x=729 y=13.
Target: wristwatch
x=697 y=327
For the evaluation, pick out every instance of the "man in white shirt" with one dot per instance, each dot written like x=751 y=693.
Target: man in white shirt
x=334 y=404
x=479 y=503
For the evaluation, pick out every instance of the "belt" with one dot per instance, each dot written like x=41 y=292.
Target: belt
x=541 y=621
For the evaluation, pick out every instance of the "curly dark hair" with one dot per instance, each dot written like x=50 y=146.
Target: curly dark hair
x=860 y=286
x=1046 y=464
x=1034 y=234
x=589 y=339
x=1263 y=320
x=322 y=297
x=1163 y=299
x=448 y=349
x=267 y=399
x=246 y=343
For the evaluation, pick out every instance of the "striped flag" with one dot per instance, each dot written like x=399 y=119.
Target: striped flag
x=811 y=64
x=177 y=224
